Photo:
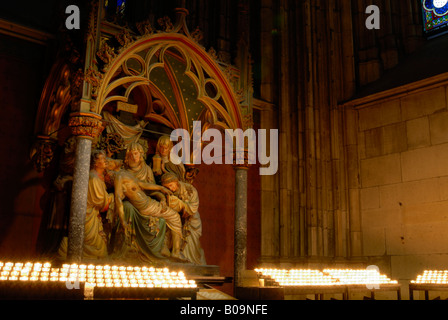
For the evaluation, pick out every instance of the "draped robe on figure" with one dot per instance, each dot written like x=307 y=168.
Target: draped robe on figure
x=147 y=233
x=98 y=200
x=186 y=199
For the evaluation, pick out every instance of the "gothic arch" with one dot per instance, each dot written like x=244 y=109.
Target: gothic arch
x=180 y=79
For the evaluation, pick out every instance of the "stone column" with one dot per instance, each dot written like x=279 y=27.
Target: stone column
x=353 y=183
x=86 y=127
x=240 y=240
x=270 y=219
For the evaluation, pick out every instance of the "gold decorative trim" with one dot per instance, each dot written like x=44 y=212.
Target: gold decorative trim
x=124 y=39
x=62 y=91
x=246 y=165
x=145 y=28
x=202 y=67
x=166 y=24
x=94 y=78
x=42 y=152
x=86 y=125
x=197 y=35
x=106 y=54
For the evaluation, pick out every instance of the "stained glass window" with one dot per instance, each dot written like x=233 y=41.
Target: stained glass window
x=435 y=17
x=120 y=5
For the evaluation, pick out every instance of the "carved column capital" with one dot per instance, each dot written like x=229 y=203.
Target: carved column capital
x=241 y=160
x=86 y=125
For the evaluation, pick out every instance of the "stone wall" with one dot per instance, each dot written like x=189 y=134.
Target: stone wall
x=403 y=170
x=21 y=74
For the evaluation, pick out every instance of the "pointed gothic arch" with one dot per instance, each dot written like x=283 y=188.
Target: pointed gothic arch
x=181 y=81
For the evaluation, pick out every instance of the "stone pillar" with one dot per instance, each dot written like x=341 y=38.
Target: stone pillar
x=86 y=127
x=270 y=219
x=353 y=183
x=240 y=244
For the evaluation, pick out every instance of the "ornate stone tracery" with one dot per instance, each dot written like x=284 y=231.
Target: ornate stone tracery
x=174 y=54
x=180 y=83
x=61 y=94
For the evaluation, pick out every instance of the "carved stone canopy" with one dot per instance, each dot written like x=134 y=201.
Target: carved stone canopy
x=182 y=82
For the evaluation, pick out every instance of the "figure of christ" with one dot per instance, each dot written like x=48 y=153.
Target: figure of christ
x=127 y=186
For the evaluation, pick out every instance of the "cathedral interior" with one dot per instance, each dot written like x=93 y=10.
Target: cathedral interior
x=357 y=101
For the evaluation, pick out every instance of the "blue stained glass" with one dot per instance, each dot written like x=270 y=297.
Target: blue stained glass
x=439 y=7
x=435 y=16
x=121 y=4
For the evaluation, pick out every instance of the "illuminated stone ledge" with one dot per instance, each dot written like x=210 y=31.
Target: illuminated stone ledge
x=430 y=280
x=42 y=281
x=328 y=281
x=432 y=277
x=327 y=277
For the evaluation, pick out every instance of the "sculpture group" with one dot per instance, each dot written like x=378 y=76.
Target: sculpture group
x=151 y=211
